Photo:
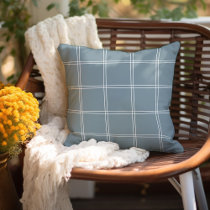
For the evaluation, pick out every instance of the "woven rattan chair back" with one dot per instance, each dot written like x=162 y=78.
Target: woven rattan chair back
x=191 y=88
x=190 y=106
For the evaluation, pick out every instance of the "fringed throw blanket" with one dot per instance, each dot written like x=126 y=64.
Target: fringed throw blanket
x=47 y=163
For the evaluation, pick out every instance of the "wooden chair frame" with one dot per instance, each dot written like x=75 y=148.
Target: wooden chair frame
x=190 y=106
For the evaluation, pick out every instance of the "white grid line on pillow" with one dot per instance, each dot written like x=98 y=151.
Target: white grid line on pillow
x=117 y=112
x=157 y=98
x=79 y=70
x=116 y=62
x=73 y=87
x=124 y=135
x=103 y=94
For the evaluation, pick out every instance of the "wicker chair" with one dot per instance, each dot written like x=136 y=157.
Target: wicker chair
x=190 y=106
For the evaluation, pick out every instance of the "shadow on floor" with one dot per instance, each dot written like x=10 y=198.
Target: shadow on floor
x=159 y=196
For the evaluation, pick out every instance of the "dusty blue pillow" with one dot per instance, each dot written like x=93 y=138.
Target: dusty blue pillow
x=121 y=97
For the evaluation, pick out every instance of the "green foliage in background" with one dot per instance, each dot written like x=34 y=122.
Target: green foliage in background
x=80 y=7
x=168 y=9
x=15 y=18
x=159 y=9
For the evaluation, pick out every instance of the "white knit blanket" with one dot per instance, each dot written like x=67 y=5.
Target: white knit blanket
x=47 y=163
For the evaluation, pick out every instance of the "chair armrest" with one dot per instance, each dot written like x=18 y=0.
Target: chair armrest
x=204 y=153
x=24 y=77
x=164 y=167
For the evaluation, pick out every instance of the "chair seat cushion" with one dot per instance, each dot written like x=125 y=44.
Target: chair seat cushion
x=121 y=97
x=159 y=166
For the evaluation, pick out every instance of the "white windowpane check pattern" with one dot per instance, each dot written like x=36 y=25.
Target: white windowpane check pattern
x=121 y=97
x=157 y=98
x=79 y=72
x=133 y=99
x=105 y=95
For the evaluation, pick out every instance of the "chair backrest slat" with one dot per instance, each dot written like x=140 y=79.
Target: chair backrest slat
x=190 y=106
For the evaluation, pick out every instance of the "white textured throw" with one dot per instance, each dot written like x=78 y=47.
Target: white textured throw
x=47 y=163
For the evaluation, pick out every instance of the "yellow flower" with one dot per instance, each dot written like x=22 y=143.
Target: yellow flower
x=19 y=112
x=9 y=122
x=15 y=137
x=22 y=132
x=5 y=135
x=12 y=128
x=23 y=138
x=4 y=143
x=16 y=119
x=38 y=125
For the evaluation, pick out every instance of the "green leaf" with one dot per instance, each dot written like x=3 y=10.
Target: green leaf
x=190 y=14
x=161 y=8
x=90 y=2
x=8 y=38
x=134 y=2
x=103 y=10
x=143 y=6
x=190 y=11
x=35 y=3
x=19 y=34
x=20 y=23
x=177 y=13
x=203 y=3
x=1 y=48
x=13 y=52
x=13 y=78
x=50 y=6
x=10 y=78
x=15 y=17
x=95 y=9
x=74 y=8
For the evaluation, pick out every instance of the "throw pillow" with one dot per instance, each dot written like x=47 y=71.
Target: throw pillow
x=121 y=97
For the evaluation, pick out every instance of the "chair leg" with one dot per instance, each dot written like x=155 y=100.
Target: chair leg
x=187 y=189
x=199 y=191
